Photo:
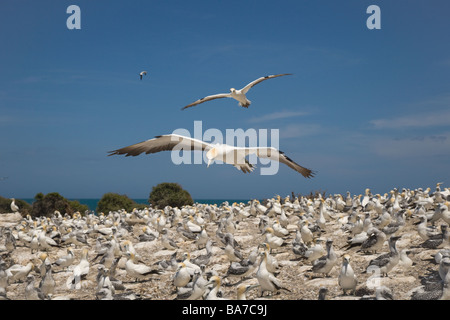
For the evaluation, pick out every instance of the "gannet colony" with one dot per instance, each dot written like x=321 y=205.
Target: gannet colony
x=363 y=246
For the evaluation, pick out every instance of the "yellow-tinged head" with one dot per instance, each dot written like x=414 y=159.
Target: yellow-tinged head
x=269 y=229
x=215 y=280
x=211 y=155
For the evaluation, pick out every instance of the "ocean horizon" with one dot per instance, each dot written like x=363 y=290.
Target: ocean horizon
x=92 y=203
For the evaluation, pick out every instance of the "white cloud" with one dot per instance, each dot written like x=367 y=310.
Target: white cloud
x=429 y=146
x=6 y=119
x=299 y=130
x=420 y=120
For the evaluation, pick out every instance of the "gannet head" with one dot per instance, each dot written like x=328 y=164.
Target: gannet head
x=211 y=155
x=232 y=90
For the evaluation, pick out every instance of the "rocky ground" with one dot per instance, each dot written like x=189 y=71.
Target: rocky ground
x=293 y=273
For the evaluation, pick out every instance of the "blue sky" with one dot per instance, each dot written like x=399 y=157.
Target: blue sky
x=364 y=108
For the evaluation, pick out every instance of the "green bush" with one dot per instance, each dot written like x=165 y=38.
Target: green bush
x=5 y=206
x=169 y=194
x=46 y=205
x=113 y=202
x=77 y=206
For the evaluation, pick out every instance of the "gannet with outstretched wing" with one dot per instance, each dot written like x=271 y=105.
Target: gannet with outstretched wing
x=239 y=95
x=235 y=156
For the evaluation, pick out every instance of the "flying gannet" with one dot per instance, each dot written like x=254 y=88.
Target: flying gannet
x=238 y=95
x=141 y=74
x=235 y=156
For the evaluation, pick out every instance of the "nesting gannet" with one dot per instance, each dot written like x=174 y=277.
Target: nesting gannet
x=31 y=292
x=199 y=284
x=239 y=95
x=66 y=260
x=315 y=251
x=444 y=267
x=374 y=242
x=235 y=156
x=242 y=271
x=213 y=289
x=298 y=247
x=18 y=272
x=14 y=206
x=233 y=254
x=445 y=213
x=204 y=259
x=187 y=234
x=45 y=261
x=169 y=264
x=103 y=280
x=347 y=279
x=202 y=238
x=79 y=272
x=279 y=230
x=108 y=258
x=385 y=262
x=424 y=231
x=45 y=242
x=10 y=241
x=167 y=242
x=191 y=267
x=305 y=232
x=142 y=74
x=181 y=277
x=405 y=261
x=148 y=234
x=267 y=280
x=437 y=241
x=47 y=284
x=272 y=240
x=243 y=289
x=325 y=264
x=441 y=254
x=138 y=270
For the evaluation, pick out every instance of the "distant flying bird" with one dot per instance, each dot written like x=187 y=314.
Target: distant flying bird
x=235 y=156
x=143 y=73
x=239 y=95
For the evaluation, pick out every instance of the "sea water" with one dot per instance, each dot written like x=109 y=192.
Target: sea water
x=92 y=203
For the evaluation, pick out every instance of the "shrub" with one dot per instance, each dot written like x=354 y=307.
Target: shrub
x=45 y=205
x=5 y=206
x=113 y=202
x=77 y=206
x=169 y=194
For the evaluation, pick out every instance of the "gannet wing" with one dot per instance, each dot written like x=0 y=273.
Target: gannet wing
x=245 y=89
x=162 y=143
x=208 y=98
x=277 y=155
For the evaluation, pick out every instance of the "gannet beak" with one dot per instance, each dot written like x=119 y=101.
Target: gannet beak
x=209 y=162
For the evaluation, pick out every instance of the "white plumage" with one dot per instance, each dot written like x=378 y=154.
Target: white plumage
x=239 y=95
x=235 y=156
